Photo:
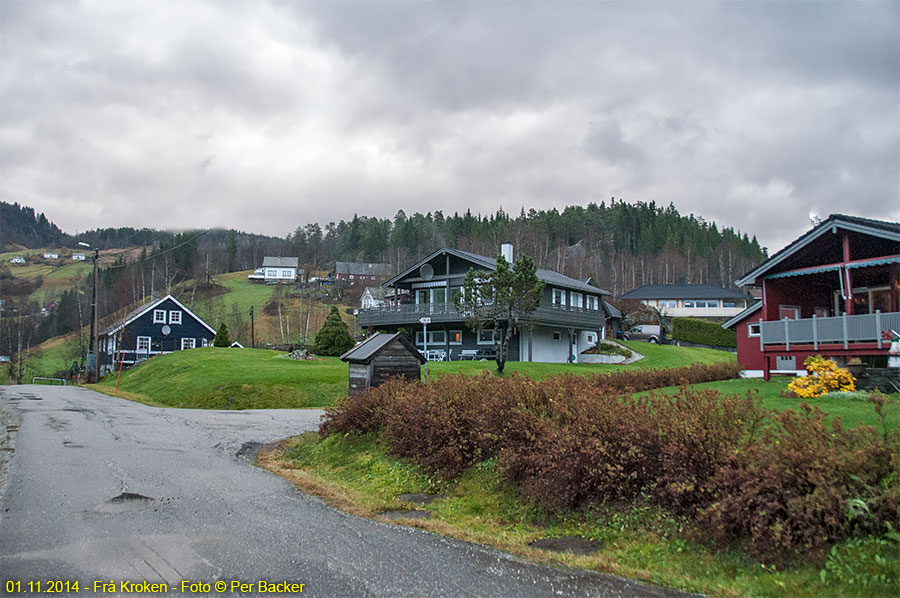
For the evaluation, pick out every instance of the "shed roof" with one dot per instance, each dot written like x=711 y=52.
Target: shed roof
x=366 y=351
x=683 y=291
x=281 y=262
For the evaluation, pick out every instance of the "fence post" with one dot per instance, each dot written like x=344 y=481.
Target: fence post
x=787 y=339
x=815 y=334
x=844 y=322
x=878 y=327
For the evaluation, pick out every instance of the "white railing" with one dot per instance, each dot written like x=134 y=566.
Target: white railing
x=840 y=329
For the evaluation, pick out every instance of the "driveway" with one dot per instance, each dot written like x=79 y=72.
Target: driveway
x=103 y=489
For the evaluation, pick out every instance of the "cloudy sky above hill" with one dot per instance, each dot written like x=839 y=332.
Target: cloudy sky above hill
x=267 y=115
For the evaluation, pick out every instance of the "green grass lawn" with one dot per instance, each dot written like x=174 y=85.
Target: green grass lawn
x=214 y=378
x=225 y=378
x=241 y=292
x=853 y=409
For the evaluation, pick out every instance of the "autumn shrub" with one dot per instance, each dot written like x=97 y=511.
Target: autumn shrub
x=824 y=377
x=365 y=412
x=792 y=492
x=618 y=447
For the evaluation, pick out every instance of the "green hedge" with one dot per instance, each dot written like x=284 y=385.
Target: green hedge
x=702 y=332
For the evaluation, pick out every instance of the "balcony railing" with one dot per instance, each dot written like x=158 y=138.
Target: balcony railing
x=837 y=330
x=446 y=312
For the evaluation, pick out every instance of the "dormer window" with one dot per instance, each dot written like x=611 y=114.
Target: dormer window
x=558 y=297
x=174 y=317
x=159 y=316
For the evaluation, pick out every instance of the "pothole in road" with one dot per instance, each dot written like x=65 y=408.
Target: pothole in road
x=127 y=501
x=574 y=544
x=248 y=450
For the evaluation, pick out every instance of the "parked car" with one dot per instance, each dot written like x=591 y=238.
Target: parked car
x=651 y=333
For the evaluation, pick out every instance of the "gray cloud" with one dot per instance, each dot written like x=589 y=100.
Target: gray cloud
x=268 y=115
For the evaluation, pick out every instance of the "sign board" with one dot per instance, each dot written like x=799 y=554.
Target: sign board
x=424 y=321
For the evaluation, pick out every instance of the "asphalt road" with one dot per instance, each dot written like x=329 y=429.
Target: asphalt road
x=103 y=489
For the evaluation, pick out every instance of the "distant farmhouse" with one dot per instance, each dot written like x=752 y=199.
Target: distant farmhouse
x=17 y=259
x=380 y=296
x=354 y=273
x=691 y=300
x=51 y=255
x=161 y=326
x=277 y=270
x=78 y=257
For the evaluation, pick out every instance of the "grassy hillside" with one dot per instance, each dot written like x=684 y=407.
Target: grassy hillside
x=214 y=378
x=223 y=378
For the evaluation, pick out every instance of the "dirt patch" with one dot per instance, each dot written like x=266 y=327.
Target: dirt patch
x=124 y=502
x=573 y=544
x=401 y=514
x=419 y=498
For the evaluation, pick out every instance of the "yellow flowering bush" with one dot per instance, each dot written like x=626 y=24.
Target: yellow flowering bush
x=824 y=377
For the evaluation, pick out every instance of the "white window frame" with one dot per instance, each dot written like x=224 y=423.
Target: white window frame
x=454 y=334
x=690 y=303
x=561 y=300
x=192 y=342
x=576 y=299
x=557 y=336
x=712 y=303
x=148 y=341
x=590 y=302
x=204 y=342
x=591 y=339
x=175 y=316
x=729 y=303
x=480 y=341
x=286 y=274
x=750 y=332
x=159 y=316
x=271 y=273
x=432 y=338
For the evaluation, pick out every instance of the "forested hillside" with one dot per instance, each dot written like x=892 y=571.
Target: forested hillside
x=19 y=225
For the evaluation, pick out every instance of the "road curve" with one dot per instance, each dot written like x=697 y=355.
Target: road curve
x=103 y=489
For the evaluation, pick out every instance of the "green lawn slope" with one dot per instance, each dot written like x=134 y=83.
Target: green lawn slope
x=225 y=378
x=219 y=378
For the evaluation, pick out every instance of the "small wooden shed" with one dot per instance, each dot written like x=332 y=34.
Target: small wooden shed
x=379 y=357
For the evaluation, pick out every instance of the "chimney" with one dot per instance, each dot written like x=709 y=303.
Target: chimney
x=506 y=250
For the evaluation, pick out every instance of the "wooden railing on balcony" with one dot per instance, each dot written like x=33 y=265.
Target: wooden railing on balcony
x=836 y=330
x=446 y=312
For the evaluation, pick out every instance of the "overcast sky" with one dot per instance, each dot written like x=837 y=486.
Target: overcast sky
x=265 y=116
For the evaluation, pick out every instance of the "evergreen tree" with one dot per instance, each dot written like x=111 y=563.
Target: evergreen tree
x=222 y=339
x=334 y=338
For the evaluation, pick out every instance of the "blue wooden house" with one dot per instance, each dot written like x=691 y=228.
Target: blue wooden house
x=161 y=326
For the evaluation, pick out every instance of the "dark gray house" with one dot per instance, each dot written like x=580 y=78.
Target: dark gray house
x=572 y=315
x=161 y=326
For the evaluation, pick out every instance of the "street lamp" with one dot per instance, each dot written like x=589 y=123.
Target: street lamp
x=95 y=332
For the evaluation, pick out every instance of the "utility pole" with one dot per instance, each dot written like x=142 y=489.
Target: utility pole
x=94 y=343
x=252 y=330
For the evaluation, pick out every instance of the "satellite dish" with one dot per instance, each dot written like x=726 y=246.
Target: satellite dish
x=166 y=330
x=426 y=271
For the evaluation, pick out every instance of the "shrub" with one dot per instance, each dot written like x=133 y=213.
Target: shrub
x=334 y=337
x=222 y=339
x=702 y=332
x=824 y=377
x=868 y=564
x=790 y=492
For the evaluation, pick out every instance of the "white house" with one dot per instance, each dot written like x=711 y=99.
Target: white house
x=51 y=255
x=78 y=257
x=280 y=269
x=691 y=300
x=18 y=259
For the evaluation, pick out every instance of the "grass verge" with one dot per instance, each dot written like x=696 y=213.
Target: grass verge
x=641 y=542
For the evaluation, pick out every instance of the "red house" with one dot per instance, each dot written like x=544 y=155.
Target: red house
x=834 y=292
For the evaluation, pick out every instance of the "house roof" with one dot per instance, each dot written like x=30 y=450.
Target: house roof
x=134 y=315
x=737 y=318
x=362 y=269
x=380 y=293
x=612 y=311
x=281 y=262
x=546 y=276
x=683 y=291
x=878 y=228
x=369 y=348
